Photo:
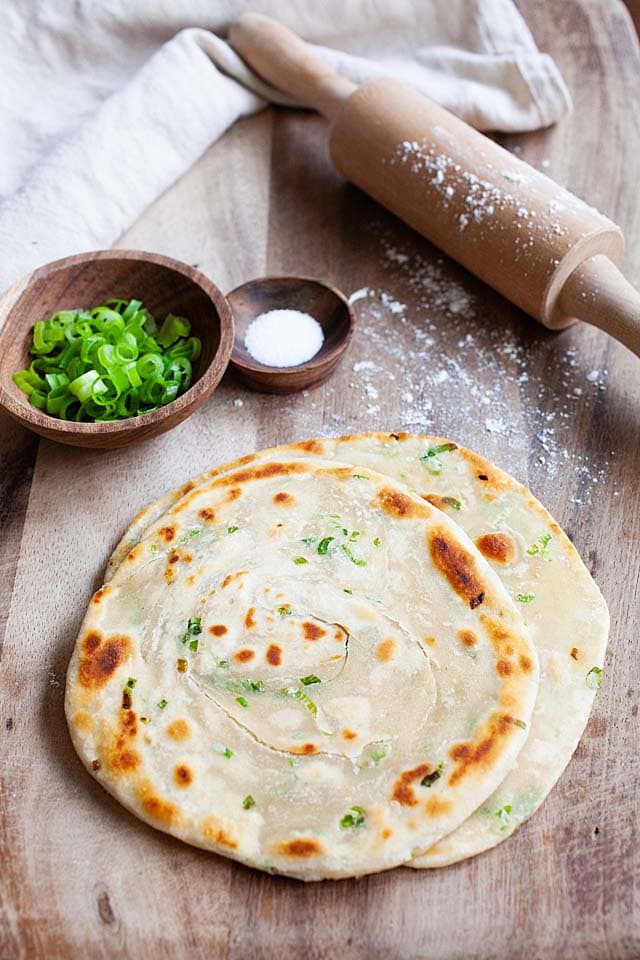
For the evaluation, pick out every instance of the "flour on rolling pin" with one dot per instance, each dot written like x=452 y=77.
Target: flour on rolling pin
x=505 y=221
x=481 y=197
x=535 y=243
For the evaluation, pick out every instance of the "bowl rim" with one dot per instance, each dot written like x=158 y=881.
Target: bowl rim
x=197 y=393
x=316 y=362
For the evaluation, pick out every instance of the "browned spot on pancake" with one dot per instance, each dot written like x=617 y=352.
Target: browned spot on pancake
x=217 y=834
x=575 y=653
x=481 y=752
x=349 y=735
x=191 y=579
x=179 y=730
x=167 y=534
x=436 y=806
x=83 y=721
x=218 y=629
x=312 y=631
x=504 y=668
x=386 y=833
x=263 y=472
x=284 y=499
x=486 y=472
x=306 y=749
x=183 y=776
x=243 y=656
x=129 y=723
x=126 y=699
x=181 y=665
x=174 y=556
x=95 y=764
x=430 y=641
x=133 y=553
x=311 y=446
x=497 y=546
x=274 y=655
x=398 y=504
x=187 y=557
x=507 y=700
x=230 y=577
x=207 y=514
x=169 y=575
x=155 y=807
x=339 y=635
x=233 y=494
x=301 y=847
x=101 y=657
x=250 y=621
x=123 y=761
x=100 y=594
x=188 y=487
x=467 y=637
x=458 y=567
x=440 y=502
x=403 y=790
x=385 y=650
x=503 y=644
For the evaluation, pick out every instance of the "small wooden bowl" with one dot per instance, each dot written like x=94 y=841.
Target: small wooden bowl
x=326 y=305
x=164 y=286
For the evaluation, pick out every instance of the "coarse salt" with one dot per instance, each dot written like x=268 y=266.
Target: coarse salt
x=283 y=338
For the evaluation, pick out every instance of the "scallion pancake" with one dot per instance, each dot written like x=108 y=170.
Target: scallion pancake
x=303 y=666
x=563 y=609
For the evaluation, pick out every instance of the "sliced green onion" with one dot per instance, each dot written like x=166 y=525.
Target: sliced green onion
x=172 y=329
x=354 y=818
x=108 y=363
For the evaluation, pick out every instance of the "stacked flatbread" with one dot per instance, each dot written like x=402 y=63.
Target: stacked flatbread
x=334 y=657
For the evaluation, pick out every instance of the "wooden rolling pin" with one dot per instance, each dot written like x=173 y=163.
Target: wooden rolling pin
x=533 y=241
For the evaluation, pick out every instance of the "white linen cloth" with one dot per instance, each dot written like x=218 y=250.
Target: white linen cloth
x=104 y=103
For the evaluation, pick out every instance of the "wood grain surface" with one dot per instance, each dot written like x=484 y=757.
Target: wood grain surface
x=79 y=876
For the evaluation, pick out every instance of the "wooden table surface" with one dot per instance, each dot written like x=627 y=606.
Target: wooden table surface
x=434 y=351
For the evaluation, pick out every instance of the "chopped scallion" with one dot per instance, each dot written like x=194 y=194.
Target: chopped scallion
x=594 y=678
x=108 y=363
x=323 y=546
x=354 y=818
x=431 y=778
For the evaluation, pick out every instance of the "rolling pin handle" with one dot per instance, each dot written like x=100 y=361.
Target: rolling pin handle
x=285 y=61
x=599 y=294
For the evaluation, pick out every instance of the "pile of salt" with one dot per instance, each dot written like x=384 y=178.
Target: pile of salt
x=283 y=338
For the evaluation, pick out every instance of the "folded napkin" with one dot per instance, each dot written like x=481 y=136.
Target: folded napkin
x=105 y=105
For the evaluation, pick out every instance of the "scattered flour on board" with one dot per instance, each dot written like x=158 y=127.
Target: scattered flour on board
x=417 y=362
x=496 y=398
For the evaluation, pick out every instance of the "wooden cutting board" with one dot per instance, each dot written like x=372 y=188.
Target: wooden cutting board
x=435 y=351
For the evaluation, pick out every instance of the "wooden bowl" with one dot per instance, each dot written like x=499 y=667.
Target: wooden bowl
x=164 y=286
x=326 y=305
